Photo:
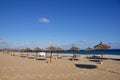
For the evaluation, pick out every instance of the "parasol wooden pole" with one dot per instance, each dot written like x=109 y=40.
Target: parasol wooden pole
x=89 y=54
x=27 y=54
x=73 y=56
x=101 y=55
x=23 y=52
x=36 y=55
x=46 y=54
x=51 y=57
x=57 y=56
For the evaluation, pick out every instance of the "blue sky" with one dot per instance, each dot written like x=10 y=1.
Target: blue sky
x=31 y=23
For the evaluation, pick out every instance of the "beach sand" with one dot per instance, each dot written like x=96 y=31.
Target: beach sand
x=18 y=68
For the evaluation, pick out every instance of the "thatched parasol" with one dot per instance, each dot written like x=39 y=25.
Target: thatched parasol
x=12 y=52
x=21 y=50
x=51 y=48
x=37 y=49
x=27 y=50
x=101 y=47
x=74 y=48
x=89 y=49
x=58 y=49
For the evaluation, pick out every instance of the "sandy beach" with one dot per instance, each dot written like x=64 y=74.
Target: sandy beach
x=18 y=68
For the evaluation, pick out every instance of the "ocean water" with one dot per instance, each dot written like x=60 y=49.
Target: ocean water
x=108 y=51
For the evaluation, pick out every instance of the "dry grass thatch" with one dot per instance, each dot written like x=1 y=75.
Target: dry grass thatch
x=51 y=48
x=74 y=48
x=89 y=49
x=101 y=46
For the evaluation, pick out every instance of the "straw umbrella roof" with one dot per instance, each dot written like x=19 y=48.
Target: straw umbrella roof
x=37 y=48
x=89 y=49
x=101 y=46
x=74 y=48
x=13 y=50
x=22 y=49
x=5 y=49
x=51 y=48
x=59 y=49
x=27 y=49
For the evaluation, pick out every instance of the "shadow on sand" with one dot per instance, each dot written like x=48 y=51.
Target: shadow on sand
x=74 y=59
x=40 y=59
x=86 y=66
x=116 y=59
x=98 y=57
x=95 y=60
x=98 y=60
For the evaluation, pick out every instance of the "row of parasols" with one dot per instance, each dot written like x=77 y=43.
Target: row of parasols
x=51 y=48
x=101 y=46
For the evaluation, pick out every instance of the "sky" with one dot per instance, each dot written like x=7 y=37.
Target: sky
x=62 y=23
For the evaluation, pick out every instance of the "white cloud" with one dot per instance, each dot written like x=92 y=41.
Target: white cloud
x=44 y=20
x=2 y=42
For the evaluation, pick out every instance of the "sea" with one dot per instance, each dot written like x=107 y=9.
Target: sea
x=108 y=51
